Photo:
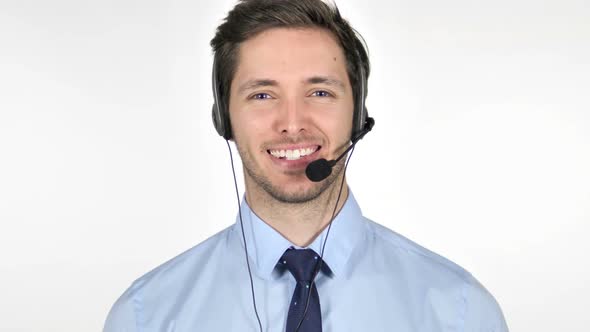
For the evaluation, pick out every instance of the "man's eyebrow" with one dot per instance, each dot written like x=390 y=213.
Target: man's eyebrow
x=257 y=83
x=326 y=80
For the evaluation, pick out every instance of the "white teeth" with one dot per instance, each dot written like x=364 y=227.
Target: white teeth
x=292 y=154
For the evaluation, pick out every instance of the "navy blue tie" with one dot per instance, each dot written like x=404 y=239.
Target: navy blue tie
x=302 y=264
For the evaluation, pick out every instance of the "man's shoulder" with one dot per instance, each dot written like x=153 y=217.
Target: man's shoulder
x=188 y=262
x=168 y=278
x=427 y=272
x=156 y=289
x=414 y=255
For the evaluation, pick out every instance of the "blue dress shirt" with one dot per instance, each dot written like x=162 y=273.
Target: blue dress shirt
x=379 y=281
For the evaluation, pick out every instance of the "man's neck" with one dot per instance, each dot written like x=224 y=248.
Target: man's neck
x=299 y=223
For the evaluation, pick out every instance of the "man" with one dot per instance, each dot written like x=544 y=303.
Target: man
x=289 y=84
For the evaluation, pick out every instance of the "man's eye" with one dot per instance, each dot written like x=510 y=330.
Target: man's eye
x=322 y=93
x=261 y=96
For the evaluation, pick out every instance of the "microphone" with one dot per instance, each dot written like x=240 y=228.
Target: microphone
x=320 y=169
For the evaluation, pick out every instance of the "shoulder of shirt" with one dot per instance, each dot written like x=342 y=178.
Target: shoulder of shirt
x=481 y=313
x=127 y=312
x=185 y=260
x=402 y=244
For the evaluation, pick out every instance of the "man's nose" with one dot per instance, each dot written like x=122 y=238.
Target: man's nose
x=292 y=116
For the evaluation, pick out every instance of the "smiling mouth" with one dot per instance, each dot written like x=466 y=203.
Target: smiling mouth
x=293 y=154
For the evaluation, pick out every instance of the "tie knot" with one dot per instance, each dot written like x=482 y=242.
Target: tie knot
x=301 y=263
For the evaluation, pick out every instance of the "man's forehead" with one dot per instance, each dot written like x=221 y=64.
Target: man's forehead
x=291 y=32
x=290 y=44
x=307 y=56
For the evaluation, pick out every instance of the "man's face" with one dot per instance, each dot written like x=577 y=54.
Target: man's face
x=290 y=103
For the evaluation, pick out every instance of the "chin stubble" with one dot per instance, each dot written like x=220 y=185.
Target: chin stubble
x=299 y=197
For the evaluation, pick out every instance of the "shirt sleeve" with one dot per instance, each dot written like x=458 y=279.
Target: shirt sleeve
x=123 y=315
x=482 y=311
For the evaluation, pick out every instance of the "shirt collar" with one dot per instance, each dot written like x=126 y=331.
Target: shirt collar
x=266 y=245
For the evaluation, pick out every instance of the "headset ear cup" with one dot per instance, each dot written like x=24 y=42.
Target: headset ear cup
x=221 y=123
x=360 y=111
x=217 y=122
x=220 y=119
x=364 y=117
x=360 y=118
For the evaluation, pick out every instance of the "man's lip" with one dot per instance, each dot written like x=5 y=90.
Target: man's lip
x=297 y=163
x=294 y=147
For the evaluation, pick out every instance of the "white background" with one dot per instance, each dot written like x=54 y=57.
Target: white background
x=109 y=164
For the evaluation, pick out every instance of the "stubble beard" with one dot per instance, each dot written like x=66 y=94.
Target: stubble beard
x=283 y=196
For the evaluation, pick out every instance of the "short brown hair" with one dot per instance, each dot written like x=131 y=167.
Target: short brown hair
x=251 y=17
